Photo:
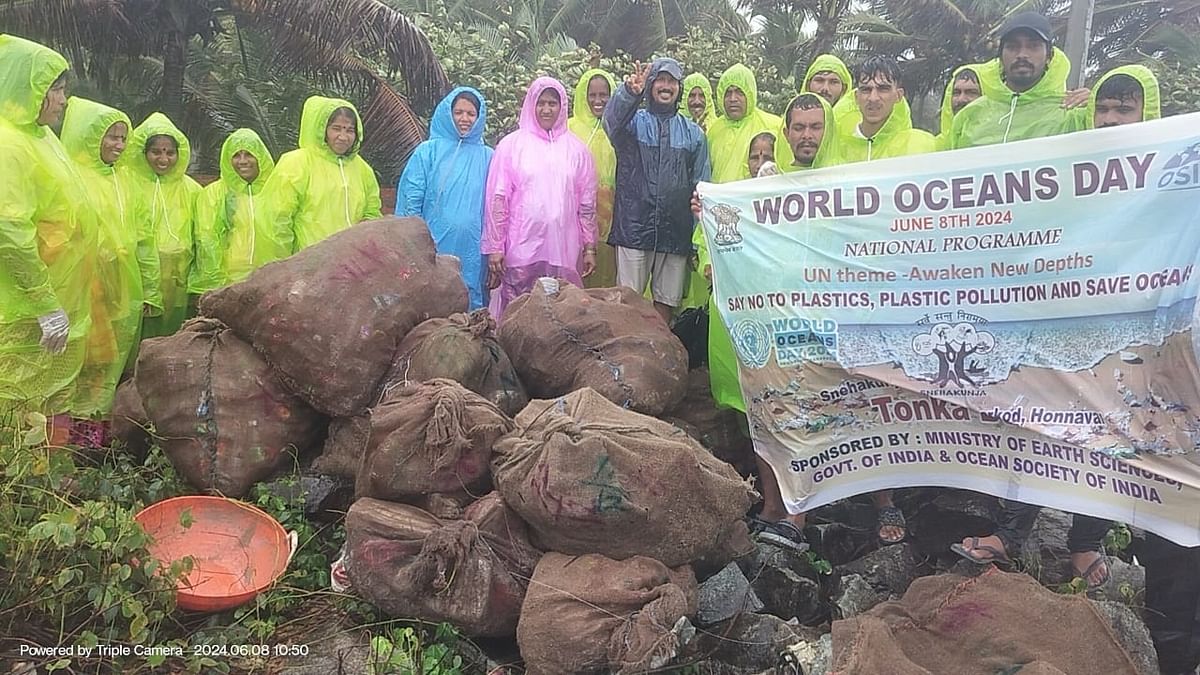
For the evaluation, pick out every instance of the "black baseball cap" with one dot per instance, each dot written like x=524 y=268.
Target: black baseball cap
x=1031 y=21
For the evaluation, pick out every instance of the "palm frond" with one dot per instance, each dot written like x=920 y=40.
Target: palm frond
x=327 y=27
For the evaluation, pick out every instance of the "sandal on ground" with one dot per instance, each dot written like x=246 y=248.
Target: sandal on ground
x=1087 y=574
x=756 y=524
x=890 y=516
x=785 y=534
x=994 y=555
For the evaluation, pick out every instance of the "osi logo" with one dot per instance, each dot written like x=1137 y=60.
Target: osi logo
x=1182 y=171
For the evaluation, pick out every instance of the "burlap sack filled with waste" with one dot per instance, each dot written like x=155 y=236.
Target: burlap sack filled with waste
x=590 y=477
x=562 y=338
x=591 y=614
x=463 y=348
x=425 y=438
x=329 y=318
x=471 y=572
x=224 y=418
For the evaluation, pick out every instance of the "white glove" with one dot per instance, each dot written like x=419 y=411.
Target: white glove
x=55 y=329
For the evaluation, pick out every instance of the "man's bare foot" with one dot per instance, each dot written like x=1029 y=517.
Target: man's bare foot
x=1091 y=567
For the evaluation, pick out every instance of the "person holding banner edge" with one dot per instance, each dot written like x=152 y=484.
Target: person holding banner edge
x=1123 y=96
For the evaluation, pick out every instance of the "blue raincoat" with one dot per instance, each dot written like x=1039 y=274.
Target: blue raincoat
x=444 y=183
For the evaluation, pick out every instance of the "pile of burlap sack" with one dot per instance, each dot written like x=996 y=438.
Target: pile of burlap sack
x=577 y=520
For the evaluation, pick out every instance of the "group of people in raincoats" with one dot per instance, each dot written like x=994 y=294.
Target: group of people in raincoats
x=105 y=239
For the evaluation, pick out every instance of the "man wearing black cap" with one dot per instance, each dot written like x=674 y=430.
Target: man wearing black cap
x=1030 y=102
x=661 y=156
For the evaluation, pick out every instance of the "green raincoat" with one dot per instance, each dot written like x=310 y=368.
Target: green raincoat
x=234 y=235
x=315 y=193
x=47 y=237
x=897 y=138
x=1151 y=98
x=722 y=360
x=710 y=113
x=1001 y=116
x=590 y=129
x=126 y=259
x=729 y=140
x=827 y=154
x=946 y=117
x=845 y=111
x=171 y=203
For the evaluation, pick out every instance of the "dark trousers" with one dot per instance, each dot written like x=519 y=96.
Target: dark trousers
x=1173 y=603
x=1016 y=522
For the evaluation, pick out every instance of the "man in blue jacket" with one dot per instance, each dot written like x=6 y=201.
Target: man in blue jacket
x=661 y=156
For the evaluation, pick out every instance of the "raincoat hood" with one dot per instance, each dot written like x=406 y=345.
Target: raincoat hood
x=1151 y=99
x=27 y=70
x=1052 y=85
x=134 y=157
x=741 y=77
x=529 y=122
x=671 y=67
x=84 y=127
x=580 y=110
x=691 y=82
x=442 y=123
x=248 y=140
x=830 y=63
x=827 y=153
x=947 y=113
x=314 y=119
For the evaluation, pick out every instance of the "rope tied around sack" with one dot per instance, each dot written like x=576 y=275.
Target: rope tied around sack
x=437 y=563
x=444 y=433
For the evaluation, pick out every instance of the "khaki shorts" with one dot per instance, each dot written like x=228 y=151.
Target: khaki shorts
x=668 y=272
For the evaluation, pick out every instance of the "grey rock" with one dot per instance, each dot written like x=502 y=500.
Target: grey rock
x=812 y=657
x=785 y=583
x=839 y=543
x=1045 y=556
x=325 y=496
x=724 y=595
x=882 y=575
x=1132 y=634
x=747 y=643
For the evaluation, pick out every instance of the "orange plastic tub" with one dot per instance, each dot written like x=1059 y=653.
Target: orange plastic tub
x=238 y=550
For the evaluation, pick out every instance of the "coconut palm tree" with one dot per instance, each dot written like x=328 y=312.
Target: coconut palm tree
x=362 y=49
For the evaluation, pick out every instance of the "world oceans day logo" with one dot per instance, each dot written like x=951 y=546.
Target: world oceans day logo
x=752 y=340
x=1182 y=172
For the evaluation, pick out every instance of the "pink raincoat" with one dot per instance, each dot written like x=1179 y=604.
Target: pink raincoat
x=541 y=201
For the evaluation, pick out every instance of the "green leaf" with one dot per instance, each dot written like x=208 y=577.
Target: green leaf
x=185 y=518
x=58 y=665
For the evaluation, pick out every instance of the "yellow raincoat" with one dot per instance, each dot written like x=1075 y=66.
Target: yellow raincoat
x=729 y=140
x=171 y=203
x=47 y=237
x=947 y=112
x=710 y=109
x=126 y=259
x=722 y=359
x=845 y=111
x=1151 y=98
x=234 y=234
x=590 y=129
x=315 y=193
x=1002 y=116
x=897 y=138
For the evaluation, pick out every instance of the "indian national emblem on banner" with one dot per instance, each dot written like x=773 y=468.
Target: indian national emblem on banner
x=752 y=341
x=956 y=348
x=727 y=225
x=1182 y=172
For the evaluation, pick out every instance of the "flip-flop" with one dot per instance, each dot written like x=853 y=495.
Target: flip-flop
x=1086 y=574
x=784 y=534
x=997 y=556
x=890 y=516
